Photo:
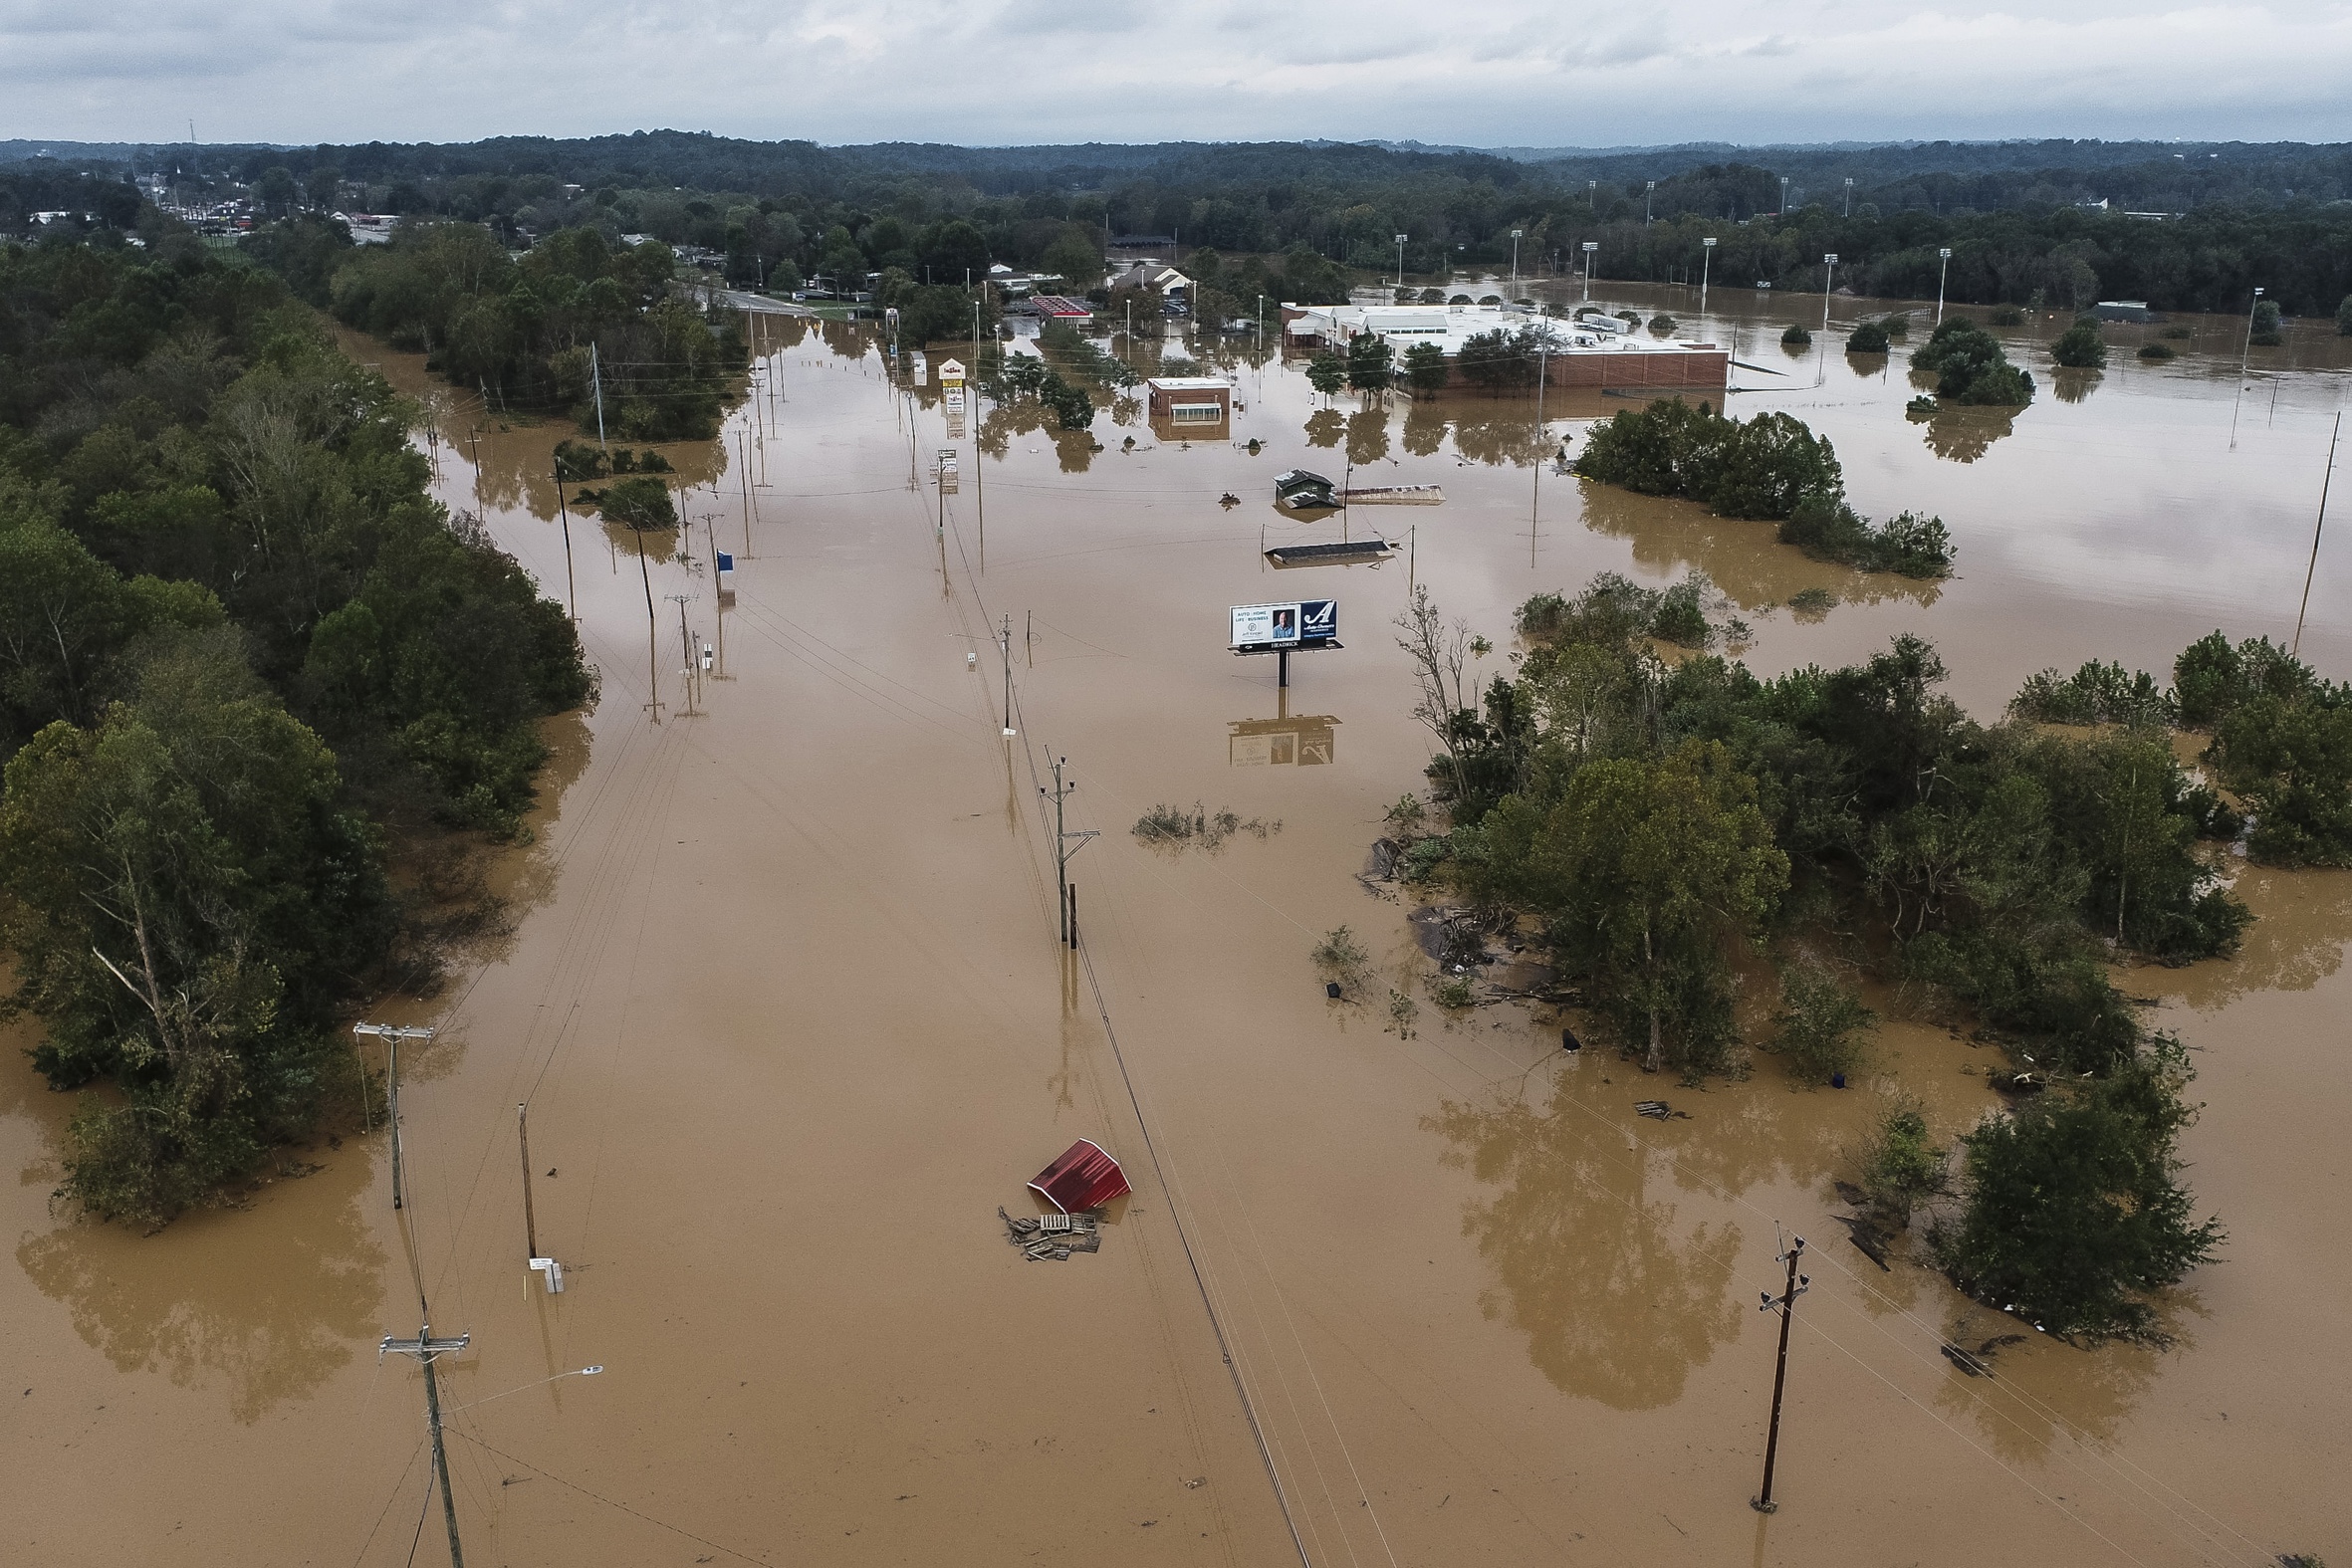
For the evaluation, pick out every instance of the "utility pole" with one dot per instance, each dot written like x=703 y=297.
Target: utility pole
x=392 y=1034
x=1005 y=641
x=1797 y=1284
x=748 y=500
x=652 y=665
x=1828 y=280
x=2245 y=359
x=597 y=381
x=1648 y=196
x=426 y=1349
x=570 y=583
x=530 y=1221
x=1400 y=261
x=1062 y=852
x=686 y=646
x=1849 y=212
x=2309 y=572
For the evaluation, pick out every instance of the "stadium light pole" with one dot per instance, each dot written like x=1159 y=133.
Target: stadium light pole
x=1849 y=212
x=1706 y=266
x=1589 y=247
x=1943 y=272
x=1515 y=236
x=1400 y=261
x=1828 y=281
x=1648 y=195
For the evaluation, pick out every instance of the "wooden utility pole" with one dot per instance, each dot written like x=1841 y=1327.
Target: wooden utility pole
x=1797 y=1284
x=426 y=1349
x=530 y=1221
x=2311 y=570
x=392 y=1034
x=570 y=584
x=652 y=659
x=1066 y=897
x=1005 y=641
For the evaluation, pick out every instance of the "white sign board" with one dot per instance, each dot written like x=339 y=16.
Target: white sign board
x=951 y=373
x=922 y=371
x=1302 y=623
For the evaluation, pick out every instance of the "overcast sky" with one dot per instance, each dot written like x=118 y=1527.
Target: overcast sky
x=1507 y=73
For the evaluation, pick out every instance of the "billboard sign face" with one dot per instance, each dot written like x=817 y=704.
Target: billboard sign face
x=1302 y=623
x=950 y=372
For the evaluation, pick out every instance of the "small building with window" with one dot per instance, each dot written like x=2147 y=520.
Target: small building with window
x=1186 y=400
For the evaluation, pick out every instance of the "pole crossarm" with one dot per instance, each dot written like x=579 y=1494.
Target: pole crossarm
x=423 y=1348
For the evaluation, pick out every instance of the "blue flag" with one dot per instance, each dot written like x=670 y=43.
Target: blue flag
x=726 y=562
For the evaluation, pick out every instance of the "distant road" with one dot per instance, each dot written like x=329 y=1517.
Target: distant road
x=743 y=300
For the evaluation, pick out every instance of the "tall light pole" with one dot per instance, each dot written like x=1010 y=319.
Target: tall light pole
x=1589 y=247
x=1649 y=193
x=1400 y=261
x=1828 y=280
x=1783 y=212
x=1514 y=234
x=2245 y=359
x=1706 y=266
x=1943 y=272
x=1849 y=212
x=1593 y=194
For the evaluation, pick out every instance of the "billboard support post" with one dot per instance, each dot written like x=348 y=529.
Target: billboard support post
x=1282 y=667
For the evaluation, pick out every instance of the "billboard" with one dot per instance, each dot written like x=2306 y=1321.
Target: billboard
x=1266 y=628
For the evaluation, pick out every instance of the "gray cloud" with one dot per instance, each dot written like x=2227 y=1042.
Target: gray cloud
x=993 y=71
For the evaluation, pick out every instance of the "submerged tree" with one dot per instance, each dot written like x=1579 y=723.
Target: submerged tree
x=2073 y=1210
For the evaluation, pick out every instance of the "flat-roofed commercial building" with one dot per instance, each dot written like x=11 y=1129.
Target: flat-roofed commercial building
x=1190 y=400
x=1595 y=353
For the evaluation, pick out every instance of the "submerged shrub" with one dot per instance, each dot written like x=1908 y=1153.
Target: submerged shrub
x=1818 y=1024
x=1827 y=529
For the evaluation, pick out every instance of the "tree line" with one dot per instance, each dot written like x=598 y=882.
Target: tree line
x=1670 y=828
x=251 y=674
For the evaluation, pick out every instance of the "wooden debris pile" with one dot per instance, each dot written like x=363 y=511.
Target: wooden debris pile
x=1053 y=1237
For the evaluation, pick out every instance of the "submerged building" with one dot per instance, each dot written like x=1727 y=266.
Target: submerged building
x=1596 y=353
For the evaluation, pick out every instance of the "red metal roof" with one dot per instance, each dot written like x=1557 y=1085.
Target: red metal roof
x=1062 y=306
x=1083 y=1178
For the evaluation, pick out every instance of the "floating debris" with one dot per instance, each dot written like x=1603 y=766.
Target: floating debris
x=1053 y=1237
x=1658 y=1110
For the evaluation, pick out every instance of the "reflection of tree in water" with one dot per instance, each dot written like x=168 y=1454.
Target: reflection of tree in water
x=1425 y=430
x=1125 y=410
x=1324 y=427
x=1617 y=1301
x=2302 y=920
x=1747 y=561
x=846 y=339
x=2039 y=1382
x=1962 y=435
x=1498 y=431
x=196 y=1301
x=1017 y=416
x=1368 y=436
x=1076 y=448
x=660 y=543
x=2073 y=386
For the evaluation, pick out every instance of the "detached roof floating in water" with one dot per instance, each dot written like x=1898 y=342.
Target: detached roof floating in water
x=1083 y=1178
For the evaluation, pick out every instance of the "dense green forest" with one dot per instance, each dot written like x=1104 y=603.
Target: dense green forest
x=2239 y=216
x=1675 y=828
x=247 y=666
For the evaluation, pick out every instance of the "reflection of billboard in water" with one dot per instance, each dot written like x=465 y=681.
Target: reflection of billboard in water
x=1305 y=624
x=1300 y=742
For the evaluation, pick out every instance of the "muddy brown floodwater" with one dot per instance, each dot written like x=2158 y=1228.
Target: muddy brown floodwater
x=786 y=1002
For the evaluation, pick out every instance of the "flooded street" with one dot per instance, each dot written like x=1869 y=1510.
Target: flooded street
x=784 y=997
